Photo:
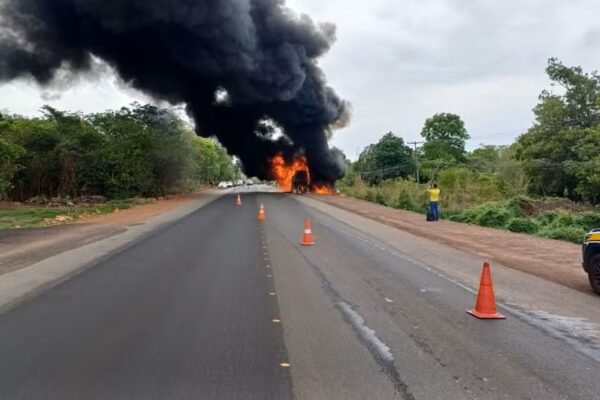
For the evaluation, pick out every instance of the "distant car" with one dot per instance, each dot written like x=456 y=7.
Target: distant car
x=222 y=185
x=239 y=182
x=229 y=184
x=249 y=182
x=591 y=258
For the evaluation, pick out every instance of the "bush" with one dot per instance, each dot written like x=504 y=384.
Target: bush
x=405 y=202
x=521 y=206
x=488 y=214
x=570 y=234
x=587 y=220
x=564 y=220
x=470 y=215
x=380 y=198
x=460 y=217
x=369 y=195
x=493 y=217
x=547 y=217
x=462 y=187
x=523 y=225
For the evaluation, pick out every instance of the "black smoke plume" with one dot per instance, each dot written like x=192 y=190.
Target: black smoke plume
x=257 y=54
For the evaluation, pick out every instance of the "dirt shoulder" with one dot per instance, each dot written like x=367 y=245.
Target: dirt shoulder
x=22 y=247
x=553 y=260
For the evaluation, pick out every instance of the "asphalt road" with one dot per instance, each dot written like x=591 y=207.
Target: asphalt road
x=210 y=307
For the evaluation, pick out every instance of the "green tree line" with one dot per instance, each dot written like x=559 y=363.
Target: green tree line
x=558 y=156
x=137 y=151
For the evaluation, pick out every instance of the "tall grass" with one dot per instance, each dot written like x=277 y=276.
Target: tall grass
x=475 y=198
x=461 y=188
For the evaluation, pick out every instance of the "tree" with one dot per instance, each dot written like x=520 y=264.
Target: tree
x=9 y=156
x=123 y=167
x=581 y=100
x=138 y=151
x=445 y=136
x=558 y=151
x=588 y=170
x=389 y=158
x=485 y=157
x=77 y=139
x=39 y=139
x=351 y=175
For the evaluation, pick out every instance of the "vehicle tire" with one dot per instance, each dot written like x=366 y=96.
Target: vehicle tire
x=594 y=273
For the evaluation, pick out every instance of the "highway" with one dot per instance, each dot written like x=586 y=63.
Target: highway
x=221 y=306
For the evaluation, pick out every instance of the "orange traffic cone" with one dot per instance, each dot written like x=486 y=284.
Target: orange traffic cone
x=238 y=201
x=485 y=307
x=261 y=213
x=307 y=239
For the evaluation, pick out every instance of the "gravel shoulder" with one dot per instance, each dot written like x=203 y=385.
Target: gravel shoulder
x=553 y=260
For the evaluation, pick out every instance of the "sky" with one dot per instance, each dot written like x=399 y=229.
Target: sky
x=400 y=62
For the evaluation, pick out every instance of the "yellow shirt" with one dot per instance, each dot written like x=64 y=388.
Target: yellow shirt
x=434 y=194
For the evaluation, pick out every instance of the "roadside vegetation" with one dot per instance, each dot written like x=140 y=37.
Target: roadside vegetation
x=62 y=166
x=142 y=151
x=547 y=183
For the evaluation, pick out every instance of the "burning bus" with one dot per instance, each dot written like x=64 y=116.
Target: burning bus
x=300 y=182
x=294 y=177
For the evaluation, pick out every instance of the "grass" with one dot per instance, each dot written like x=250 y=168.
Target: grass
x=29 y=217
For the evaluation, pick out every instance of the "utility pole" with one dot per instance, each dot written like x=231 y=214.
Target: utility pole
x=416 y=158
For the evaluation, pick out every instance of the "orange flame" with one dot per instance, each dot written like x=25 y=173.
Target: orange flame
x=284 y=173
x=323 y=189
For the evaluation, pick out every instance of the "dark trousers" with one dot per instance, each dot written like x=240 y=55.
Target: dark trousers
x=434 y=206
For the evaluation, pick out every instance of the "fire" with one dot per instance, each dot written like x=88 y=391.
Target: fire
x=284 y=173
x=323 y=189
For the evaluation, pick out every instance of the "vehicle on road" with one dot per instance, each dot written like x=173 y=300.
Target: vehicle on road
x=300 y=182
x=591 y=258
x=229 y=184
x=249 y=182
x=239 y=182
x=222 y=185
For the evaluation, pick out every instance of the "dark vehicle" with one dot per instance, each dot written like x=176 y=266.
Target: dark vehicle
x=300 y=182
x=591 y=258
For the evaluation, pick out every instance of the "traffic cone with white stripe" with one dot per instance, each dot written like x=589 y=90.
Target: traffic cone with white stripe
x=238 y=201
x=485 y=306
x=261 y=213
x=307 y=239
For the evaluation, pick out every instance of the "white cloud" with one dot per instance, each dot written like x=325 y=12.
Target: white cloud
x=97 y=91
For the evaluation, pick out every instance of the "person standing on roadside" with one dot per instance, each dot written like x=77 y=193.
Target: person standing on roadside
x=434 y=201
